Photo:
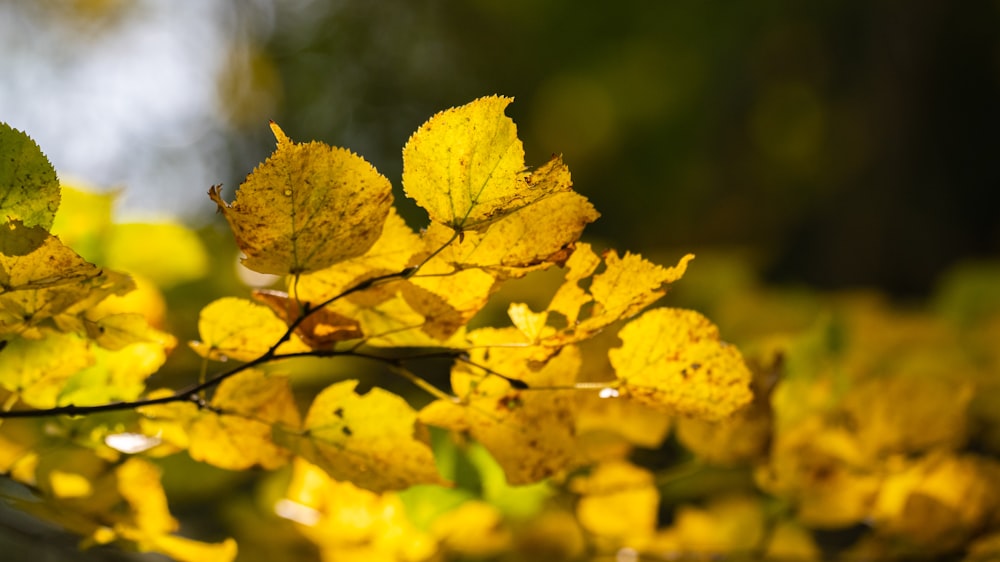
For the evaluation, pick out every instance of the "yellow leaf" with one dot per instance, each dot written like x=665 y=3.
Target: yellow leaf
x=391 y=253
x=672 y=359
x=168 y=253
x=115 y=375
x=936 y=503
x=236 y=328
x=530 y=433
x=149 y=522
x=465 y=166
x=934 y=416
x=235 y=432
x=349 y=523
x=83 y=221
x=530 y=237
x=307 y=207
x=38 y=369
x=116 y=331
x=619 y=502
x=473 y=530
x=370 y=440
x=636 y=423
x=625 y=287
x=41 y=279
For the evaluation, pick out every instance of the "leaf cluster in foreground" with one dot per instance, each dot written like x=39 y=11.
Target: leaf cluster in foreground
x=83 y=429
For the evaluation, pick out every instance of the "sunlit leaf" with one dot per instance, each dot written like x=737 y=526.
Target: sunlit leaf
x=115 y=375
x=348 y=522
x=115 y=331
x=236 y=328
x=465 y=165
x=37 y=369
x=29 y=189
x=83 y=220
x=530 y=433
x=42 y=279
x=530 y=237
x=938 y=502
x=149 y=523
x=306 y=208
x=673 y=359
x=168 y=253
x=392 y=252
x=619 y=502
x=371 y=440
x=624 y=288
x=235 y=431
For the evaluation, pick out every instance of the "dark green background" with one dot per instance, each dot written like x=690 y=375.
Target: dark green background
x=839 y=143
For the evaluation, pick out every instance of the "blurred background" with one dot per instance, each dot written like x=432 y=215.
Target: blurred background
x=835 y=144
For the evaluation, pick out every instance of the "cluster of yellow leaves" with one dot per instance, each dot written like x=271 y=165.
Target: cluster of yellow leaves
x=73 y=334
x=358 y=280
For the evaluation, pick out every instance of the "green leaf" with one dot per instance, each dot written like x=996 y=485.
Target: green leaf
x=29 y=189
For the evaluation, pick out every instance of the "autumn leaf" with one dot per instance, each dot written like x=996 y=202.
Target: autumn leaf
x=29 y=189
x=371 y=440
x=149 y=523
x=531 y=237
x=624 y=287
x=530 y=433
x=42 y=279
x=300 y=199
x=395 y=250
x=465 y=166
x=37 y=369
x=321 y=329
x=618 y=503
x=166 y=252
x=235 y=431
x=236 y=328
x=673 y=359
x=348 y=522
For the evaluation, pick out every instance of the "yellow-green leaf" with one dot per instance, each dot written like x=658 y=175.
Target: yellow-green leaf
x=83 y=221
x=236 y=328
x=307 y=207
x=372 y=440
x=115 y=375
x=673 y=359
x=40 y=278
x=29 y=189
x=38 y=369
x=168 y=253
x=465 y=166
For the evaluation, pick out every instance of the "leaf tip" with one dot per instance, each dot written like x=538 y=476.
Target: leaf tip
x=279 y=135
